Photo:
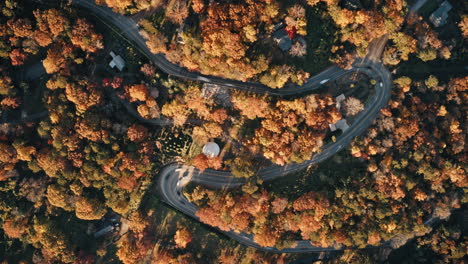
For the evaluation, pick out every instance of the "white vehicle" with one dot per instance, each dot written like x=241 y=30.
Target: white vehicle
x=203 y=79
x=324 y=81
x=381 y=84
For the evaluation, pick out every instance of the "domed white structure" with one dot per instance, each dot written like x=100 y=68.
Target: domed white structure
x=211 y=149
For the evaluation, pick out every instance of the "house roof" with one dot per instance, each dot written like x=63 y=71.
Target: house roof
x=283 y=40
x=341 y=124
x=439 y=17
x=211 y=149
x=116 y=61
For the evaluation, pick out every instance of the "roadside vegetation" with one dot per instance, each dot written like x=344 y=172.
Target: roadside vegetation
x=81 y=143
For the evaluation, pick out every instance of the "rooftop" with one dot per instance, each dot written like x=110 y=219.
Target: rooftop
x=439 y=17
x=340 y=98
x=341 y=124
x=283 y=40
x=116 y=61
x=211 y=149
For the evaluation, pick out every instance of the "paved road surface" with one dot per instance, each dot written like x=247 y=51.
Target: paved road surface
x=129 y=29
x=170 y=177
x=174 y=176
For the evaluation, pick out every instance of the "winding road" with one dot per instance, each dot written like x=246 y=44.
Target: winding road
x=174 y=176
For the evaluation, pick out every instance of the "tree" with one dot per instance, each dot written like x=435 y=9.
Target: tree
x=279 y=205
x=266 y=237
x=24 y=152
x=117 y=5
x=89 y=209
x=298 y=49
x=84 y=37
x=296 y=19
x=21 y=28
x=427 y=54
x=182 y=238
x=55 y=60
x=33 y=189
x=312 y=201
x=404 y=44
x=244 y=103
x=352 y=106
x=7 y=153
x=83 y=94
x=17 y=57
x=431 y=82
x=6 y=86
x=148 y=70
x=131 y=249
x=10 y=102
x=58 y=197
x=200 y=162
x=156 y=41
x=177 y=11
x=15 y=228
x=198 y=6
x=137 y=92
x=42 y=38
x=138 y=222
x=137 y=133
x=206 y=131
x=464 y=26
x=51 y=20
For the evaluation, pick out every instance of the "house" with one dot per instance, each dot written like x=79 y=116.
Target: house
x=439 y=17
x=341 y=124
x=211 y=149
x=340 y=98
x=283 y=39
x=104 y=231
x=116 y=61
x=180 y=33
x=352 y=4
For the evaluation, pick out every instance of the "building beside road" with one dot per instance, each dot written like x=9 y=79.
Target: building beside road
x=439 y=17
x=339 y=99
x=117 y=61
x=211 y=149
x=341 y=124
x=283 y=40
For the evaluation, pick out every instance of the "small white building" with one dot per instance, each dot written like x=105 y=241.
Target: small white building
x=211 y=149
x=339 y=99
x=341 y=124
x=116 y=61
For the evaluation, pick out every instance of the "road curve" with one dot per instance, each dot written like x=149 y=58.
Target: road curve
x=129 y=29
x=170 y=185
x=170 y=178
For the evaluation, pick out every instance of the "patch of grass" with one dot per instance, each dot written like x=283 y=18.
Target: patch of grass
x=325 y=176
x=174 y=142
x=427 y=9
x=321 y=36
x=444 y=70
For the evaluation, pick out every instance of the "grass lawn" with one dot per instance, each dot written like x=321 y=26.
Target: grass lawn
x=325 y=176
x=427 y=9
x=320 y=37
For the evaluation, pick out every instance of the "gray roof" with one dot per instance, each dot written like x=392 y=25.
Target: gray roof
x=116 y=61
x=439 y=17
x=281 y=37
x=211 y=149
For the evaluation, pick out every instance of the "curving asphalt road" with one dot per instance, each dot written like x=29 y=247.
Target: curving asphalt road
x=172 y=179
x=130 y=30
